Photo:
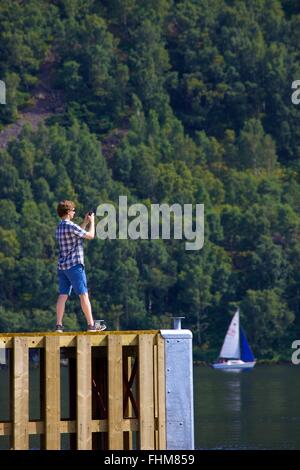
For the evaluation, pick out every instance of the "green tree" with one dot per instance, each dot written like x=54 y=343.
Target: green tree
x=256 y=150
x=266 y=318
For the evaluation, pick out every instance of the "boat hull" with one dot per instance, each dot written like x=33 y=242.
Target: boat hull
x=233 y=365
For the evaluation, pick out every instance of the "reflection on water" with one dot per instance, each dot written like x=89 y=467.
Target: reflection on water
x=254 y=409
x=233 y=395
x=233 y=402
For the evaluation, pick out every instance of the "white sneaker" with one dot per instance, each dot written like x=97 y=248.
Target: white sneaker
x=99 y=325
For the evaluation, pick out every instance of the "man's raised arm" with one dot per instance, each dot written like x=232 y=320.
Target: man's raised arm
x=90 y=221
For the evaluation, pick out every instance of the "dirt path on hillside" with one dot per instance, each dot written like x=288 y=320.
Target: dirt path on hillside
x=47 y=101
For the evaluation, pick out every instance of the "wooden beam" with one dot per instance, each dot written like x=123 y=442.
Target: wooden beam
x=36 y=427
x=98 y=425
x=20 y=394
x=115 y=393
x=37 y=340
x=146 y=391
x=52 y=393
x=6 y=342
x=5 y=429
x=68 y=427
x=84 y=393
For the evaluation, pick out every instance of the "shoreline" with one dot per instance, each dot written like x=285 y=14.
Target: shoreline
x=273 y=362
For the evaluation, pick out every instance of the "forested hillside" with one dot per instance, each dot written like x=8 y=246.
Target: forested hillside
x=162 y=101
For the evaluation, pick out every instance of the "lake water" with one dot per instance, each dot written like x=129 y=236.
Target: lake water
x=257 y=409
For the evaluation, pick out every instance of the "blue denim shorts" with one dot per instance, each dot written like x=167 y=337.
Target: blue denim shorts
x=72 y=278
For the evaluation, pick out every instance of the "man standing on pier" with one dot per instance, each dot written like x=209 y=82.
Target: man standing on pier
x=70 y=269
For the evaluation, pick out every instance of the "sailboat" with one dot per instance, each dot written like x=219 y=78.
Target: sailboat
x=235 y=352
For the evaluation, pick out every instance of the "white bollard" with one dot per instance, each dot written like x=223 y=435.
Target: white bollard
x=179 y=387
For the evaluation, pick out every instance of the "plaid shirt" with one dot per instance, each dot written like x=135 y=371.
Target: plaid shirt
x=70 y=241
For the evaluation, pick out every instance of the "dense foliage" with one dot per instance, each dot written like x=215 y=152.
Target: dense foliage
x=201 y=91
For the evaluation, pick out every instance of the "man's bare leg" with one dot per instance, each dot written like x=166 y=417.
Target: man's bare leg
x=86 y=307
x=60 y=308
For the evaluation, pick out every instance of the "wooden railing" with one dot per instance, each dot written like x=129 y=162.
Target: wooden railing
x=101 y=390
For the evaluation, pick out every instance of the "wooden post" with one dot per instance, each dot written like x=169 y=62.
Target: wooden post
x=20 y=394
x=52 y=401
x=127 y=369
x=161 y=393
x=115 y=393
x=42 y=395
x=72 y=394
x=146 y=392
x=84 y=393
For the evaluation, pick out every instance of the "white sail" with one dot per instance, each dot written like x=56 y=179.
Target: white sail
x=231 y=345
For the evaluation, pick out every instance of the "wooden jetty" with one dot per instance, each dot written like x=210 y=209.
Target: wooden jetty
x=115 y=390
